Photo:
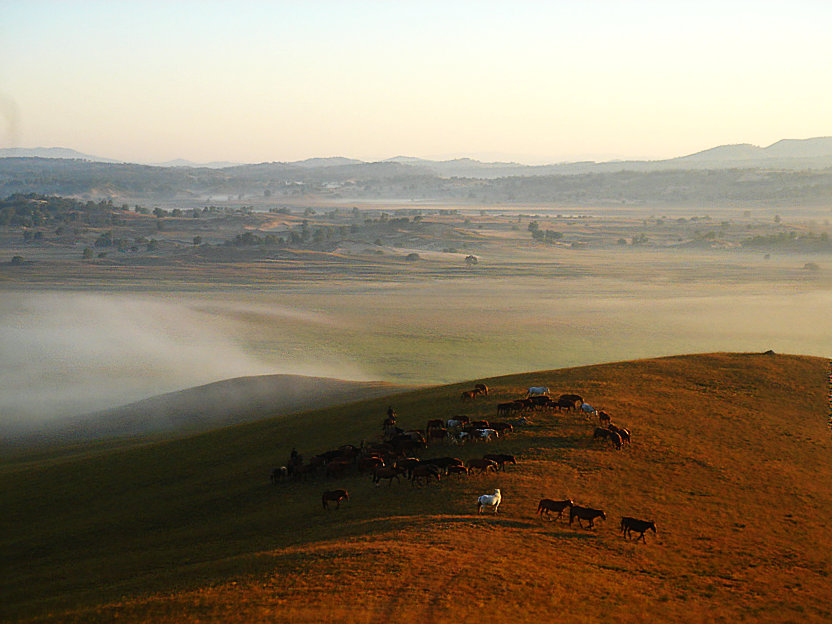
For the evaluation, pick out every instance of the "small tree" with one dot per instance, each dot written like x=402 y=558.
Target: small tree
x=17 y=260
x=87 y=253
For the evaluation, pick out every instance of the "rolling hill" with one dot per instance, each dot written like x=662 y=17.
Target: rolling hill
x=730 y=456
x=214 y=405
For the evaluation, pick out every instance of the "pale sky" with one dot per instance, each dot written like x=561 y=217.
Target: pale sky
x=535 y=82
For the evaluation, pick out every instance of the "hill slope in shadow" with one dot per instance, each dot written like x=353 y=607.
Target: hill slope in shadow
x=221 y=403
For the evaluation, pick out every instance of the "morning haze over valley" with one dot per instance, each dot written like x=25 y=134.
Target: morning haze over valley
x=372 y=312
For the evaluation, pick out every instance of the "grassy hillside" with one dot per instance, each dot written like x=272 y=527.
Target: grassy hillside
x=730 y=457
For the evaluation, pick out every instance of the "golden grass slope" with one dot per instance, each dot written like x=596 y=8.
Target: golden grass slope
x=730 y=457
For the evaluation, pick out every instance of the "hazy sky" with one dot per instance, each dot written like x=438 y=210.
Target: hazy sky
x=531 y=81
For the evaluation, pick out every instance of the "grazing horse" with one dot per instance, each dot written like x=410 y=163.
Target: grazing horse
x=388 y=473
x=585 y=513
x=547 y=505
x=564 y=404
x=458 y=471
x=607 y=434
x=426 y=472
x=408 y=463
x=489 y=500
x=504 y=409
x=624 y=433
x=502 y=459
x=479 y=424
x=483 y=465
x=370 y=463
x=334 y=495
x=573 y=399
x=629 y=525
x=482 y=388
x=502 y=428
x=484 y=434
x=443 y=463
x=537 y=391
x=468 y=395
x=437 y=433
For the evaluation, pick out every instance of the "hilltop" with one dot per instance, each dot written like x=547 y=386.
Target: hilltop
x=730 y=457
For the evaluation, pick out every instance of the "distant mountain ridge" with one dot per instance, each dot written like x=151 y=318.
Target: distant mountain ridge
x=788 y=153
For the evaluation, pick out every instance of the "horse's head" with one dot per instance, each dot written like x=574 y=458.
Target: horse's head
x=652 y=526
x=603 y=515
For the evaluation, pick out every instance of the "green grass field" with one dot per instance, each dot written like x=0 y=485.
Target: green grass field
x=730 y=457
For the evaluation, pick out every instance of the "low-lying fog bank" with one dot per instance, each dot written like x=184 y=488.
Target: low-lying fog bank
x=66 y=354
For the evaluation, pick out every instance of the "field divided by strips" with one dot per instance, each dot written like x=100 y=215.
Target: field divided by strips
x=729 y=457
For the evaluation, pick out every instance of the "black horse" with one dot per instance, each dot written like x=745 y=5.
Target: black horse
x=585 y=513
x=628 y=525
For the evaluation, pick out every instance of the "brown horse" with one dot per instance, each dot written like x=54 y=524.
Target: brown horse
x=585 y=513
x=629 y=525
x=483 y=465
x=624 y=433
x=606 y=434
x=574 y=399
x=483 y=389
x=469 y=395
x=336 y=496
x=547 y=506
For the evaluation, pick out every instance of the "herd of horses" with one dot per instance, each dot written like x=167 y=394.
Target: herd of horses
x=392 y=456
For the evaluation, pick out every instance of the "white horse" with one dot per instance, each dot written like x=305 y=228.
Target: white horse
x=586 y=408
x=537 y=391
x=489 y=500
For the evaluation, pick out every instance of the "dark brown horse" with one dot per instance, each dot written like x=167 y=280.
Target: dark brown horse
x=335 y=496
x=458 y=471
x=501 y=458
x=624 y=433
x=606 y=434
x=502 y=428
x=469 y=395
x=483 y=465
x=574 y=399
x=547 y=506
x=628 y=525
x=425 y=472
x=368 y=464
x=504 y=409
x=585 y=513
x=437 y=433
x=483 y=389
x=388 y=473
